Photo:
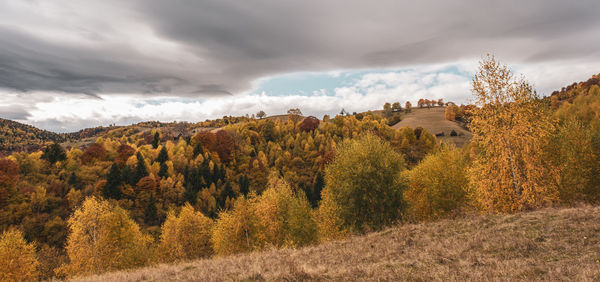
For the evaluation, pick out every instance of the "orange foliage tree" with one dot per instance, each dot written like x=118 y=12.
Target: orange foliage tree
x=18 y=260
x=510 y=127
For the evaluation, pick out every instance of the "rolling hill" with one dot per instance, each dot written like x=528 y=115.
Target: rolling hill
x=16 y=136
x=433 y=120
x=550 y=244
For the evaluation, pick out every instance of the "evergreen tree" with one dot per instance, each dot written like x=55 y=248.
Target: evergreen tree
x=54 y=153
x=318 y=186
x=112 y=188
x=244 y=185
x=226 y=192
x=164 y=170
x=156 y=140
x=151 y=213
x=198 y=150
x=190 y=194
x=163 y=155
x=140 y=170
x=74 y=181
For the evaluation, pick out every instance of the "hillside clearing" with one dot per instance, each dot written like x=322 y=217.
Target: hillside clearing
x=550 y=244
x=434 y=121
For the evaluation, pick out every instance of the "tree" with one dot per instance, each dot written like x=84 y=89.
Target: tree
x=156 y=140
x=261 y=114
x=163 y=155
x=440 y=102
x=185 y=236
x=318 y=185
x=284 y=218
x=363 y=184
x=451 y=112
x=112 y=188
x=438 y=186
x=408 y=106
x=9 y=174
x=103 y=238
x=236 y=231
x=309 y=124
x=124 y=152
x=224 y=146
x=151 y=213
x=295 y=112
x=198 y=149
x=575 y=149
x=54 y=153
x=421 y=103
x=140 y=170
x=18 y=260
x=510 y=127
x=387 y=109
x=164 y=170
x=396 y=107
x=94 y=152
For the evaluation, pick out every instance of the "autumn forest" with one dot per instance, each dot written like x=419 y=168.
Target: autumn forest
x=122 y=197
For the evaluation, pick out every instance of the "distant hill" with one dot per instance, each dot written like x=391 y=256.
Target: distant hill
x=551 y=244
x=16 y=136
x=570 y=92
x=434 y=121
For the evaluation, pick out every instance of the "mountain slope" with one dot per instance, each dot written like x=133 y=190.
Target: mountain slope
x=551 y=244
x=15 y=136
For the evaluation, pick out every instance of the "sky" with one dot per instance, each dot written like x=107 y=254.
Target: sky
x=68 y=65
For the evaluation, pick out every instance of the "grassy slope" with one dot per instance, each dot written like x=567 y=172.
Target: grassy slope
x=551 y=244
x=434 y=121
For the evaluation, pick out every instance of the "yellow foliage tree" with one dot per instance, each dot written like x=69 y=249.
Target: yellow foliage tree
x=18 y=260
x=510 y=127
x=284 y=219
x=277 y=217
x=236 y=231
x=363 y=186
x=438 y=186
x=575 y=149
x=186 y=236
x=103 y=237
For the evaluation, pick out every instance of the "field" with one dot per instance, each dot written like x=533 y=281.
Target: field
x=433 y=120
x=550 y=244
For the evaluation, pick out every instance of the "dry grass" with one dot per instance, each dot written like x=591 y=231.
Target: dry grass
x=551 y=244
x=434 y=121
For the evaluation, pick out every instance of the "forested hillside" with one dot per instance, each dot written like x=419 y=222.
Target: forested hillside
x=571 y=92
x=15 y=136
x=158 y=192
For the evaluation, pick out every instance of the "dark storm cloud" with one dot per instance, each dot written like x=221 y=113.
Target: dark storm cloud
x=220 y=47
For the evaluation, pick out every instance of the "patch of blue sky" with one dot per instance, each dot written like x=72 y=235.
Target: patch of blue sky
x=309 y=83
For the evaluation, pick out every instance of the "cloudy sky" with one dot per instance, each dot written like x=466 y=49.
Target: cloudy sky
x=67 y=65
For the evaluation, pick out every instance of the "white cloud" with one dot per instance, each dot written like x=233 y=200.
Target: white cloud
x=367 y=92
